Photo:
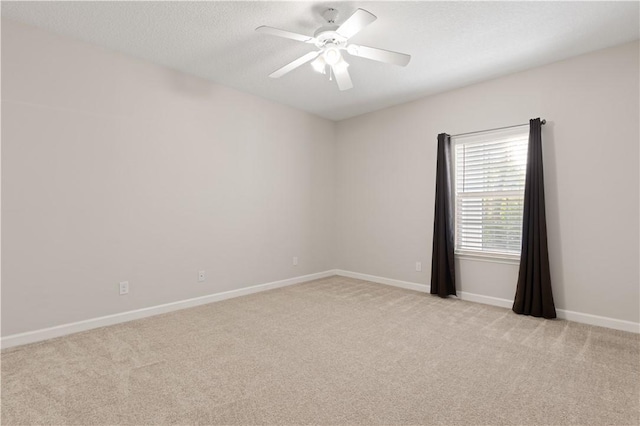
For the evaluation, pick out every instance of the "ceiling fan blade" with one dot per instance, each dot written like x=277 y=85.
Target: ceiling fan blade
x=360 y=19
x=380 y=55
x=342 y=77
x=286 y=34
x=295 y=64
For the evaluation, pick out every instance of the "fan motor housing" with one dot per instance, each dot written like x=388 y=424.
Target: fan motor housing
x=327 y=35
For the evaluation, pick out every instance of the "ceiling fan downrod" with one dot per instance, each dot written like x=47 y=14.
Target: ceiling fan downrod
x=330 y=15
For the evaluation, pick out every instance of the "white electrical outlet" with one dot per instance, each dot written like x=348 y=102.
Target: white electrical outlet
x=418 y=266
x=124 y=287
x=295 y=260
x=200 y=276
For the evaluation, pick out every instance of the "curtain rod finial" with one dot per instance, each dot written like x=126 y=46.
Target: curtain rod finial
x=543 y=121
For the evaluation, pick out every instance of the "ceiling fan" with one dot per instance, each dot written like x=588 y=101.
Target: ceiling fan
x=332 y=40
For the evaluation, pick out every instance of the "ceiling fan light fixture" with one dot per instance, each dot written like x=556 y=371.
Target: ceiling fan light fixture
x=332 y=55
x=319 y=65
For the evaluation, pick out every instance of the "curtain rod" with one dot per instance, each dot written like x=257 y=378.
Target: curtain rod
x=543 y=121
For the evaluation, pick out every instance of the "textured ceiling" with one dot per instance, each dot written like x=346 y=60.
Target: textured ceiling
x=452 y=44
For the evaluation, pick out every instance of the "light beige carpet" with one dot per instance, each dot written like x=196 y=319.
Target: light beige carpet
x=331 y=351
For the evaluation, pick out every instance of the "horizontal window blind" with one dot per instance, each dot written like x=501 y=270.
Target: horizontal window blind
x=489 y=177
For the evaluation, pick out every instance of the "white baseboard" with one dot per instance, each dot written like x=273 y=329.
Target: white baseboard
x=65 y=329
x=75 y=327
x=616 y=324
x=590 y=319
x=388 y=281
x=485 y=300
x=607 y=322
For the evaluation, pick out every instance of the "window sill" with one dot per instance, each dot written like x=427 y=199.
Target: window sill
x=493 y=258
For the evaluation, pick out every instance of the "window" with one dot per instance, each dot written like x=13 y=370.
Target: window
x=489 y=175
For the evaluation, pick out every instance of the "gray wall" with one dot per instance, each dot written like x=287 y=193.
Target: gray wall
x=115 y=169
x=386 y=180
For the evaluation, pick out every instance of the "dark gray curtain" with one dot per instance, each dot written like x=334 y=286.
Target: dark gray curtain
x=533 y=293
x=443 y=277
